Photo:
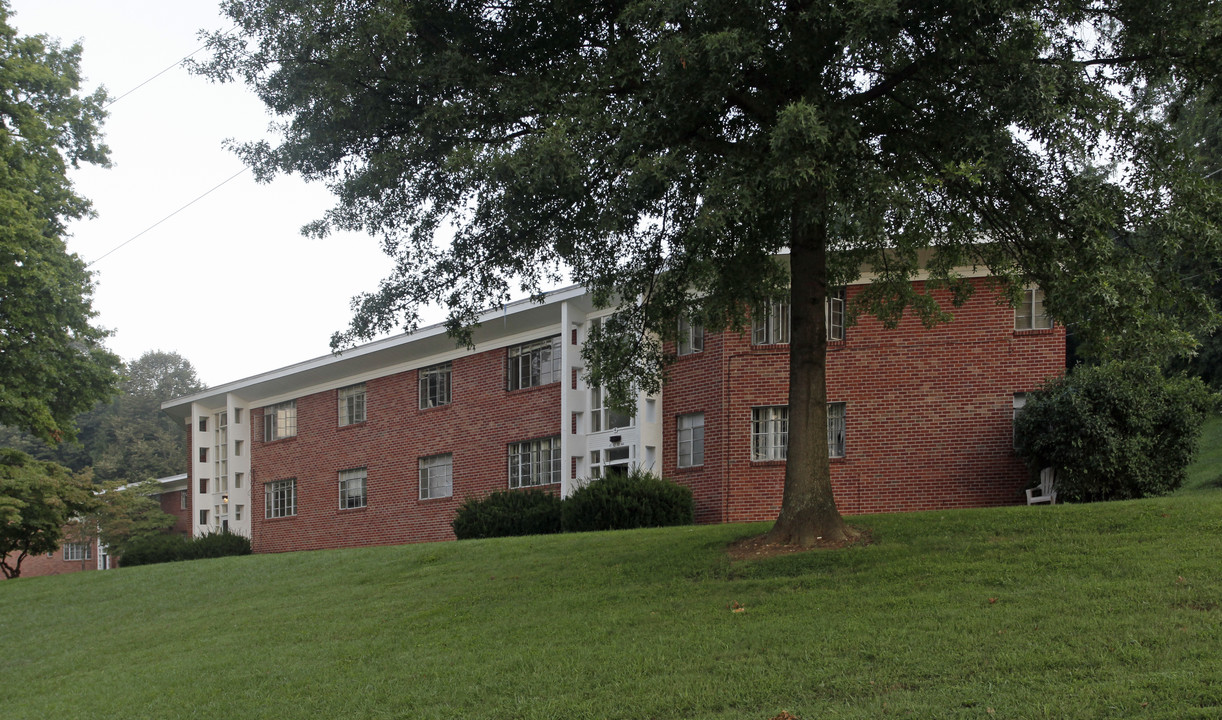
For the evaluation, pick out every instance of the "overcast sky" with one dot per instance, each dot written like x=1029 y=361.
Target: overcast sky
x=229 y=283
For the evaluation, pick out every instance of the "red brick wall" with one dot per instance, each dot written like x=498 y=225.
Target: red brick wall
x=171 y=502
x=476 y=428
x=928 y=413
x=39 y=565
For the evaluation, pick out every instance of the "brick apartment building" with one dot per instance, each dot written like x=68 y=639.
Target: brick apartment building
x=78 y=556
x=381 y=444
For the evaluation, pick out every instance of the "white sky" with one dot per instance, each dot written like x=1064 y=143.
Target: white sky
x=229 y=283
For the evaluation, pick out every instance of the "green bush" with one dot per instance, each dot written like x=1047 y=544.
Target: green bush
x=512 y=512
x=1114 y=431
x=638 y=499
x=155 y=549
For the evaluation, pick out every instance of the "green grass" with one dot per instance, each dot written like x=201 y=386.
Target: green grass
x=1206 y=473
x=1102 y=611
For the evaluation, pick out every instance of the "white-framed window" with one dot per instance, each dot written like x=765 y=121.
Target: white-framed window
x=220 y=454
x=352 y=489
x=237 y=512
x=691 y=439
x=691 y=337
x=1030 y=313
x=280 y=421
x=770 y=431
x=78 y=551
x=534 y=363
x=835 y=429
x=237 y=416
x=182 y=500
x=436 y=476
x=770 y=324
x=203 y=518
x=604 y=417
x=237 y=480
x=280 y=498
x=534 y=462
x=352 y=404
x=435 y=385
x=610 y=462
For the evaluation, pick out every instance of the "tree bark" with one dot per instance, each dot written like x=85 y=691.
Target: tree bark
x=808 y=511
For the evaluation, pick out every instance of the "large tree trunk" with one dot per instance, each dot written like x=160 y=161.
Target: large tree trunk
x=808 y=510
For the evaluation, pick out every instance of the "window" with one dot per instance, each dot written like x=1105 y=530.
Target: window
x=237 y=447
x=237 y=512
x=770 y=324
x=203 y=517
x=237 y=416
x=352 y=404
x=1020 y=402
x=533 y=364
x=1030 y=313
x=203 y=424
x=220 y=453
x=203 y=454
x=352 y=489
x=691 y=439
x=436 y=476
x=535 y=462
x=280 y=498
x=203 y=485
x=691 y=337
x=610 y=462
x=182 y=500
x=280 y=421
x=435 y=385
x=835 y=430
x=769 y=432
x=602 y=416
x=78 y=551
x=237 y=480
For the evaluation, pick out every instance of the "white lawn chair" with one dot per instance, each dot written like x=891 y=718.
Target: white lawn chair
x=1047 y=490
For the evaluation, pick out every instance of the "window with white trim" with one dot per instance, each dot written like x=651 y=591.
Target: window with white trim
x=351 y=404
x=280 y=421
x=182 y=500
x=237 y=512
x=534 y=462
x=435 y=385
x=1030 y=313
x=280 y=498
x=691 y=439
x=436 y=476
x=611 y=462
x=835 y=429
x=770 y=431
x=220 y=454
x=534 y=363
x=352 y=489
x=603 y=416
x=770 y=324
x=203 y=518
x=78 y=551
x=691 y=337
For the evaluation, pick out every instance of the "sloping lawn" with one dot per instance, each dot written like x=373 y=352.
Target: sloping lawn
x=1103 y=611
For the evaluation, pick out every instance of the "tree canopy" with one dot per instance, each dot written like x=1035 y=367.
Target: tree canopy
x=52 y=361
x=663 y=154
x=37 y=501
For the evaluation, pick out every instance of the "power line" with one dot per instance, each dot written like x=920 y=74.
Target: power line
x=167 y=217
x=163 y=72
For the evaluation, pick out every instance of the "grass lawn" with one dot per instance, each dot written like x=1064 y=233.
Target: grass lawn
x=1091 y=611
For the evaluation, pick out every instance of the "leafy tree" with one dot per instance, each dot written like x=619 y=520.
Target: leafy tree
x=37 y=500
x=128 y=438
x=1114 y=431
x=664 y=153
x=52 y=362
x=120 y=516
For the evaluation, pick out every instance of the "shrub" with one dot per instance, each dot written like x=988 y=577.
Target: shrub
x=1114 y=431
x=638 y=499
x=153 y=549
x=505 y=513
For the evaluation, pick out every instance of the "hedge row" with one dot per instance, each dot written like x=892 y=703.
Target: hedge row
x=639 y=499
x=171 y=548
